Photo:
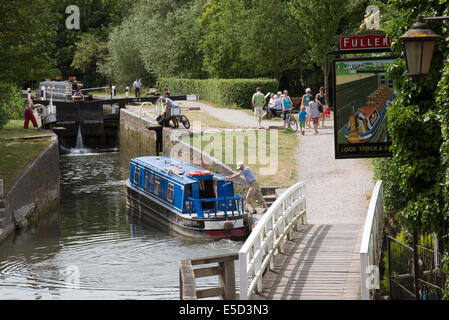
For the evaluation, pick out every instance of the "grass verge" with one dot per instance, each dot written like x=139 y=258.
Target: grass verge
x=17 y=155
x=14 y=129
x=271 y=154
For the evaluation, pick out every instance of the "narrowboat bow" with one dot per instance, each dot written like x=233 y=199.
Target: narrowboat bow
x=186 y=199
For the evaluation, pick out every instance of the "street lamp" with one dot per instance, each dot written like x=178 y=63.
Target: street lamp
x=419 y=44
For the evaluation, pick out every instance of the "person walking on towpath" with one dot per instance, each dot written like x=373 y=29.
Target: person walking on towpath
x=302 y=119
x=321 y=97
x=286 y=106
x=305 y=102
x=137 y=84
x=258 y=102
x=29 y=116
x=315 y=113
x=254 y=188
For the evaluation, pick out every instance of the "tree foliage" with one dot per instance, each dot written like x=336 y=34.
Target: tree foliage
x=416 y=171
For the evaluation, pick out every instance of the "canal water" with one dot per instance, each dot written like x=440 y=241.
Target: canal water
x=90 y=249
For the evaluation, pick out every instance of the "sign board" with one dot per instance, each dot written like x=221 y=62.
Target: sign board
x=364 y=42
x=362 y=95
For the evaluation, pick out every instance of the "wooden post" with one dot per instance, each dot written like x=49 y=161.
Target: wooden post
x=415 y=264
x=227 y=280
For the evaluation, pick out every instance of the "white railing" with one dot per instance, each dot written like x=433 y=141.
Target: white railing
x=371 y=245
x=269 y=235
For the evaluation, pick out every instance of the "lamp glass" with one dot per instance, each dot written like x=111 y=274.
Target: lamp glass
x=427 y=54
x=413 y=51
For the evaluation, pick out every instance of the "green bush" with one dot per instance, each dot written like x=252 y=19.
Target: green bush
x=229 y=92
x=12 y=105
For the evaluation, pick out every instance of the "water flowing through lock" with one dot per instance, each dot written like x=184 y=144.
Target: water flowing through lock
x=79 y=139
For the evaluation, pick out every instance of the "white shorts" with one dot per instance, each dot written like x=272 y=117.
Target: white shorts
x=258 y=111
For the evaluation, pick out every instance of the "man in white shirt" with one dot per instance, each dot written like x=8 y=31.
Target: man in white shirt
x=169 y=104
x=254 y=188
x=137 y=84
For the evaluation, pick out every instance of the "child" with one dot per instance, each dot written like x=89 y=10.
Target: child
x=302 y=119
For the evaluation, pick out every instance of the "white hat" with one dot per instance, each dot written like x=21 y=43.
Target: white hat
x=239 y=165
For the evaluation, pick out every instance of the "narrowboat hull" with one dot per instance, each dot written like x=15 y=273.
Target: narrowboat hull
x=145 y=207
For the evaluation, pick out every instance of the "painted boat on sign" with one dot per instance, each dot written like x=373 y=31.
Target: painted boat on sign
x=365 y=123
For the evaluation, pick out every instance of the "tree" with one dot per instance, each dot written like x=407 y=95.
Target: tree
x=123 y=63
x=90 y=51
x=223 y=22
x=26 y=40
x=321 y=21
x=159 y=37
x=97 y=18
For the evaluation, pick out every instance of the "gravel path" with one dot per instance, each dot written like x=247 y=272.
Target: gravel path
x=338 y=191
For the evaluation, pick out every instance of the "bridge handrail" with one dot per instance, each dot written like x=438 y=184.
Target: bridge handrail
x=269 y=235
x=371 y=245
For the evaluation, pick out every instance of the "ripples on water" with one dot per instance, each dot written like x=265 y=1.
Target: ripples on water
x=91 y=236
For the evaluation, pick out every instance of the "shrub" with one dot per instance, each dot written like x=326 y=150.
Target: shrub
x=230 y=92
x=12 y=105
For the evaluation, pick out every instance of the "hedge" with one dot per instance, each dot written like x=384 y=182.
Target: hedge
x=228 y=92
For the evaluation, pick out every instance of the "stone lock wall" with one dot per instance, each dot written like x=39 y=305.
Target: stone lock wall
x=34 y=193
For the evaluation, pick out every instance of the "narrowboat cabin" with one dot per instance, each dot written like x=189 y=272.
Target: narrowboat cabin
x=364 y=124
x=186 y=199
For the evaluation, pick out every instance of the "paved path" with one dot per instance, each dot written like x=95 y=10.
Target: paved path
x=323 y=262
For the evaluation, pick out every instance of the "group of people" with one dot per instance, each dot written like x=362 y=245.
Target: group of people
x=312 y=110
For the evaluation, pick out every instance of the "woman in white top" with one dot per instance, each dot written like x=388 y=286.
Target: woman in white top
x=314 y=113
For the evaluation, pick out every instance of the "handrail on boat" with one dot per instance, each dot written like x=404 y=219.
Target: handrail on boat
x=235 y=205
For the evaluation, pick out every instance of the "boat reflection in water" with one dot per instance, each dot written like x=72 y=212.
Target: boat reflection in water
x=185 y=199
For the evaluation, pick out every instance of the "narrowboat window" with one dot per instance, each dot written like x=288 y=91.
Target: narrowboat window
x=157 y=183
x=170 y=192
x=136 y=176
x=373 y=118
x=146 y=181
x=150 y=182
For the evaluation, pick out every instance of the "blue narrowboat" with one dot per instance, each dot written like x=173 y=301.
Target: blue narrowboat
x=186 y=199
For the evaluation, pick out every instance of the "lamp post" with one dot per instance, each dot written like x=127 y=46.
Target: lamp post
x=419 y=44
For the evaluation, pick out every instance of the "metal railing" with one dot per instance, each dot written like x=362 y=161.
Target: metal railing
x=371 y=245
x=269 y=235
x=232 y=204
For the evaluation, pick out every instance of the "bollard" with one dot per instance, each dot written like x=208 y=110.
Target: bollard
x=113 y=92
x=127 y=92
x=44 y=93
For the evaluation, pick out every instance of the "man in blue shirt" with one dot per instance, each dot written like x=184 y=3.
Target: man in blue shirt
x=254 y=188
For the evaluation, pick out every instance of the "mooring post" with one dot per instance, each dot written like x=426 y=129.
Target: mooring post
x=44 y=93
x=127 y=92
x=227 y=279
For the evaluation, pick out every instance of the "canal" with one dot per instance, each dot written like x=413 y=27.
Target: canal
x=90 y=249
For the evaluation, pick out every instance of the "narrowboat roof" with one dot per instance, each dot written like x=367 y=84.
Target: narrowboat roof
x=160 y=164
x=366 y=110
